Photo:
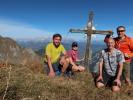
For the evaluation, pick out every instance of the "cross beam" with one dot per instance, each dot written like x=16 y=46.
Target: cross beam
x=102 y=32
x=89 y=31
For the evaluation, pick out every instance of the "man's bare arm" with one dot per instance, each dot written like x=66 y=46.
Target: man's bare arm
x=51 y=72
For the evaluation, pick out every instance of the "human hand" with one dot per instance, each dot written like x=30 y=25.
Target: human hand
x=51 y=74
x=126 y=55
x=100 y=78
x=118 y=82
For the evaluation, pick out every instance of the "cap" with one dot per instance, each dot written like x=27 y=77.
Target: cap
x=74 y=44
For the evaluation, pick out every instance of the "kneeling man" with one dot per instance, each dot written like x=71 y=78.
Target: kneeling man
x=110 y=67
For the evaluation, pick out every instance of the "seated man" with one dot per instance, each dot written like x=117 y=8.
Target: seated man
x=73 y=54
x=110 y=67
x=52 y=56
x=56 y=58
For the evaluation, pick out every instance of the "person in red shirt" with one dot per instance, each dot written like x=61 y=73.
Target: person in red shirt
x=124 y=44
x=73 y=54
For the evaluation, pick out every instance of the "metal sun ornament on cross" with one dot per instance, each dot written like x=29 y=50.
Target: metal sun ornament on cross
x=89 y=31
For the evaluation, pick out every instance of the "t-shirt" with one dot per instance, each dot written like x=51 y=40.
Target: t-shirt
x=54 y=52
x=110 y=61
x=73 y=54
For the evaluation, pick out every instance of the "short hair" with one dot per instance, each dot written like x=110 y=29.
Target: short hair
x=112 y=39
x=120 y=27
x=57 y=35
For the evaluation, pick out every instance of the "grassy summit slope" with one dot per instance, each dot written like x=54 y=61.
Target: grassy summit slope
x=26 y=85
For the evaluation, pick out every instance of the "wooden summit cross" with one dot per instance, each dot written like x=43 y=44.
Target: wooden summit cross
x=89 y=31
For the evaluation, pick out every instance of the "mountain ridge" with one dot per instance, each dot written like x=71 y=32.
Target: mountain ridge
x=12 y=53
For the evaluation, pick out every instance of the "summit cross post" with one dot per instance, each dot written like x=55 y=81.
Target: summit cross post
x=89 y=31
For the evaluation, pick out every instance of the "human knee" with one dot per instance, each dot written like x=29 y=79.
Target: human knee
x=99 y=85
x=64 y=60
x=115 y=88
x=75 y=68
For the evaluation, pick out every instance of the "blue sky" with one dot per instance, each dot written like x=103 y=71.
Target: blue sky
x=42 y=18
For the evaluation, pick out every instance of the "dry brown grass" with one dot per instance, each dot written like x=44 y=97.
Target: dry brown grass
x=26 y=85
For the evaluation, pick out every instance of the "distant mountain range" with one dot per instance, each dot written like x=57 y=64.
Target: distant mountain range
x=39 y=45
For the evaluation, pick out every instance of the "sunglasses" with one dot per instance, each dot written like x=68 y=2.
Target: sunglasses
x=121 y=31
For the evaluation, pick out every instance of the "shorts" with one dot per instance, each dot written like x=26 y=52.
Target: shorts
x=126 y=70
x=108 y=80
x=69 y=68
x=56 y=67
